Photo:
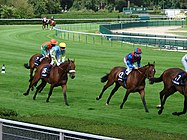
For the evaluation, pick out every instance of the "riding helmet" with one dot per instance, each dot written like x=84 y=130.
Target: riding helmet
x=53 y=41
x=138 y=51
x=62 y=45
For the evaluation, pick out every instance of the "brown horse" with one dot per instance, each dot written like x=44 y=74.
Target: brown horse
x=32 y=66
x=58 y=77
x=45 y=24
x=170 y=88
x=52 y=24
x=135 y=82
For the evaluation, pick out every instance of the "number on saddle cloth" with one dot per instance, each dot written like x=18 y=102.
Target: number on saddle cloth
x=179 y=79
x=46 y=71
x=38 y=60
x=122 y=76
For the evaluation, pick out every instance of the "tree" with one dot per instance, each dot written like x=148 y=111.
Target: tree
x=7 y=11
x=23 y=9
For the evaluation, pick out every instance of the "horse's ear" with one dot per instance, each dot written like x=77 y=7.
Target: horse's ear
x=68 y=59
x=154 y=63
x=148 y=63
x=74 y=60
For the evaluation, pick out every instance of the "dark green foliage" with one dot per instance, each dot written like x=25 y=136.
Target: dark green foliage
x=7 y=112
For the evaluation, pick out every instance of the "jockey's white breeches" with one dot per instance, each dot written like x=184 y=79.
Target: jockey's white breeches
x=184 y=61
x=128 y=70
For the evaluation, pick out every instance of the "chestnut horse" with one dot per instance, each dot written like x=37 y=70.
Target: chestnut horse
x=58 y=77
x=32 y=66
x=135 y=82
x=52 y=24
x=170 y=88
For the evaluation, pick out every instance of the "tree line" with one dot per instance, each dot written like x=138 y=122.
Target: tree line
x=36 y=8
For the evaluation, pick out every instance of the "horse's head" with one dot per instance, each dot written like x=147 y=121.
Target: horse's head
x=150 y=71
x=71 y=68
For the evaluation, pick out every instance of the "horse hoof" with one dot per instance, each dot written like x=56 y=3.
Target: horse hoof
x=67 y=104
x=97 y=98
x=159 y=112
x=107 y=104
x=25 y=94
x=175 y=113
x=147 y=111
x=121 y=107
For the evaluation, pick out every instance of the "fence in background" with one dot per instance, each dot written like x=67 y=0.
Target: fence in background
x=14 y=130
x=100 y=39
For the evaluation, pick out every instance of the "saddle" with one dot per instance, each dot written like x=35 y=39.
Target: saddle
x=122 y=76
x=179 y=79
x=46 y=71
x=38 y=60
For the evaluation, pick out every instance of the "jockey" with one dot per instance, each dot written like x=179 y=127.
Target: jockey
x=180 y=78
x=129 y=61
x=58 y=56
x=45 y=47
x=44 y=19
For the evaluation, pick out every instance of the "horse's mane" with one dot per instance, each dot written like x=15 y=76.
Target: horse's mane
x=147 y=65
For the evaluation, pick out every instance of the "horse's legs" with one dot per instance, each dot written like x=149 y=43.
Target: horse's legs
x=113 y=91
x=125 y=98
x=38 y=88
x=165 y=93
x=184 y=109
x=108 y=84
x=142 y=94
x=34 y=80
x=50 y=92
x=44 y=84
x=64 y=88
x=31 y=73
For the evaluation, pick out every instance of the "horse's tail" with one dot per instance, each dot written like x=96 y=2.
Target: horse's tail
x=156 y=80
x=104 y=78
x=26 y=65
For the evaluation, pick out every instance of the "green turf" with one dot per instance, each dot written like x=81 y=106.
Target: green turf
x=85 y=113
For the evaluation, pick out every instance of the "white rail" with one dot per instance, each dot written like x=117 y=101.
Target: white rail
x=60 y=133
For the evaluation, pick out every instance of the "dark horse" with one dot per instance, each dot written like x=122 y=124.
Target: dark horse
x=58 y=77
x=170 y=88
x=45 y=24
x=32 y=66
x=135 y=82
x=52 y=24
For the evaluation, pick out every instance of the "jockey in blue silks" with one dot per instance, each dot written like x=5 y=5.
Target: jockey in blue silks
x=129 y=61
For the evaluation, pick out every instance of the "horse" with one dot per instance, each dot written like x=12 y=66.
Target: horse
x=44 y=24
x=169 y=88
x=135 y=82
x=58 y=77
x=32 y=66
x=52 y=24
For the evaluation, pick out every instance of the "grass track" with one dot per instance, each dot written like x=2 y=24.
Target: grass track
x=86 y=114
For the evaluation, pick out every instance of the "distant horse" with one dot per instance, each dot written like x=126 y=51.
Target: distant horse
x=170 y=88
x=135 y=82
x=58 y=77
x=32 y=66
x=52 y=24
x=45 y=24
